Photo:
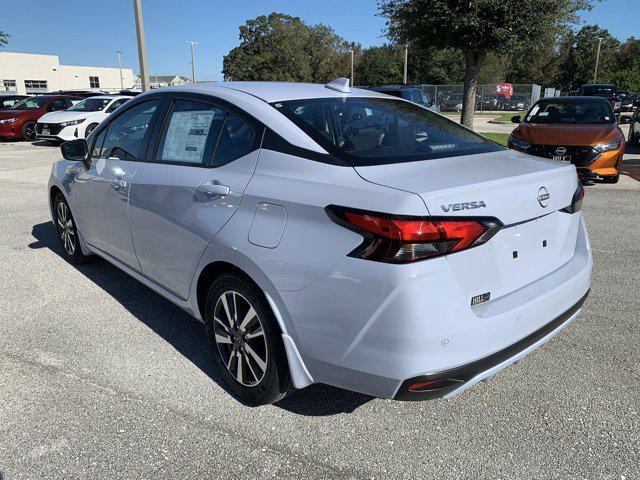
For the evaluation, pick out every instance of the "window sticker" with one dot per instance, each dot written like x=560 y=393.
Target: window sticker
x=187 y=136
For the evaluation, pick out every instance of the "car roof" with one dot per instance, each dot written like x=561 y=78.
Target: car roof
x=586 y=98
x=276 y=91
x=108 y=97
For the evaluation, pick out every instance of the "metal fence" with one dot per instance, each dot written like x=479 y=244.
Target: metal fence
x=449 y=97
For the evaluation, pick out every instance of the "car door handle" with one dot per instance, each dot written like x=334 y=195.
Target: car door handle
x=118 y=184
x=213 y=190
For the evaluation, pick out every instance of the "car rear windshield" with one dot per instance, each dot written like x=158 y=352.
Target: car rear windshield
x=32 y=103
x=569 y=111
x=375 y=131
x=91 y=105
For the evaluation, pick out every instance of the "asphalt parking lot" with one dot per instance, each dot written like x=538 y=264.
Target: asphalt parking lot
x=101 y=378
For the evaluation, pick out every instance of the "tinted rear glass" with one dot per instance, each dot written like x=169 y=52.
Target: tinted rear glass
x=571 y=111
x=375 y=131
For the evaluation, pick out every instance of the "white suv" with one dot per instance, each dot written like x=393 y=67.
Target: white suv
x=79 y=120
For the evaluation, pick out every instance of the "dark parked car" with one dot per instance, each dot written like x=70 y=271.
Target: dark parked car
x=79 y=94
x=492 y=101
x=628 y=100
x=20 y=120
x=408 y=92
x=518 y=101
x=634 y=129
x=452 y=103
x=605 y=90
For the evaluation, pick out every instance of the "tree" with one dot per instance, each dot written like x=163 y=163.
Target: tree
x=628 y=74
x=279 y=47
x=584 y=56
x=4 y=38
x=379 y=66
x=476 y=28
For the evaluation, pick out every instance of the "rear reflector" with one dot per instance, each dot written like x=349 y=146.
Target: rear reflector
x=403 y=239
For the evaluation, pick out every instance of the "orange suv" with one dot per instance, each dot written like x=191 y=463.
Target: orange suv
x=580 y=130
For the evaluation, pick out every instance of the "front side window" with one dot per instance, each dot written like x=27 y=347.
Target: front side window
x=126 y=133
x=59 y=104
x=9 y=103
x=571 y=111
x=94 y=82
x=375 y=131
x=32 y=103
x=116 y=104
x=190 y=131
x=91 y=105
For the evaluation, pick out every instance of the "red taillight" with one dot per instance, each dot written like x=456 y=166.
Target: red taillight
x=403 y=239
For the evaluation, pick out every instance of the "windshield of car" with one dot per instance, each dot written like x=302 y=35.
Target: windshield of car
x=374 y=131
x=570 y=111
x=32 y=103
x=91 y=105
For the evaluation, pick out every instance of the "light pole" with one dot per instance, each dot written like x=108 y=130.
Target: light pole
x=142 y=45
x=595 y=73
x=120 y=65
x=352 y=78
x=406 y=59
x=193 y=61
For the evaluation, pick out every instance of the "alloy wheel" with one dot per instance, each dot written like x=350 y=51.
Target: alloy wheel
x=30 y=132
x=65 y=228
x=240 y=338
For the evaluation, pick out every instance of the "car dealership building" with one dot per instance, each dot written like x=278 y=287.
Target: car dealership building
x=31 y=73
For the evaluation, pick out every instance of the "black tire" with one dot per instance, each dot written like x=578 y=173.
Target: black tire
x=89 y=129
x=29 y=131
x=240 y=353
x=611 y=178
x=634 y=138
x=67 y=232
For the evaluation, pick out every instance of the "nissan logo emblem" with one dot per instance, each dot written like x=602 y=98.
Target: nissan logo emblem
x=561 y=150
x=543 y=197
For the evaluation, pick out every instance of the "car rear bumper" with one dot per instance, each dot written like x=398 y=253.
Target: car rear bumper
x=456 y=380
x=371 y=327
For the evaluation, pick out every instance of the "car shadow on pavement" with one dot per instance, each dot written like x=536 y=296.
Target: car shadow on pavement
x=186 y=334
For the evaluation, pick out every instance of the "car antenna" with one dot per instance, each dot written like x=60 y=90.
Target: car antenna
x=339 y=85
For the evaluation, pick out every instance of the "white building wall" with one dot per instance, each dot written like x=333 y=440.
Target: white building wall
x=28 y=66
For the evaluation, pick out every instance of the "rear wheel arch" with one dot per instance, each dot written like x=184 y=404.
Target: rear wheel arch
x=215 y=270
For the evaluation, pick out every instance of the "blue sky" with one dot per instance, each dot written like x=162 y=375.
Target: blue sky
x=88 y=32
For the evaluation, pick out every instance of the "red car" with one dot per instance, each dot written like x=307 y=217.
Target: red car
x=20 y=120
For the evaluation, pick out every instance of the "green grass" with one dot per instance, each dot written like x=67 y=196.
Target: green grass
x=501 y=138
x=506 y=117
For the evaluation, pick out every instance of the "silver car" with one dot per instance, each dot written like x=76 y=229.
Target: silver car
x=328 y=234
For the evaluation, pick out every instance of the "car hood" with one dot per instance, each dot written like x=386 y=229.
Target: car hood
x=61 y=116
x=572 y=135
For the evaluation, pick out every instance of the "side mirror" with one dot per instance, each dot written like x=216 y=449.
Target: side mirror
x=514 y=119
x=75 y=150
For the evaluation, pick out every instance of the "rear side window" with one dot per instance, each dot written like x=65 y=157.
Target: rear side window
x=125 y=134
x=236 y=140
x=376 y=131
x=191 y=130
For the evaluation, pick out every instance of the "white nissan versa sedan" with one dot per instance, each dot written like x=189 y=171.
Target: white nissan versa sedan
x=77 y=121
x=328 y=234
